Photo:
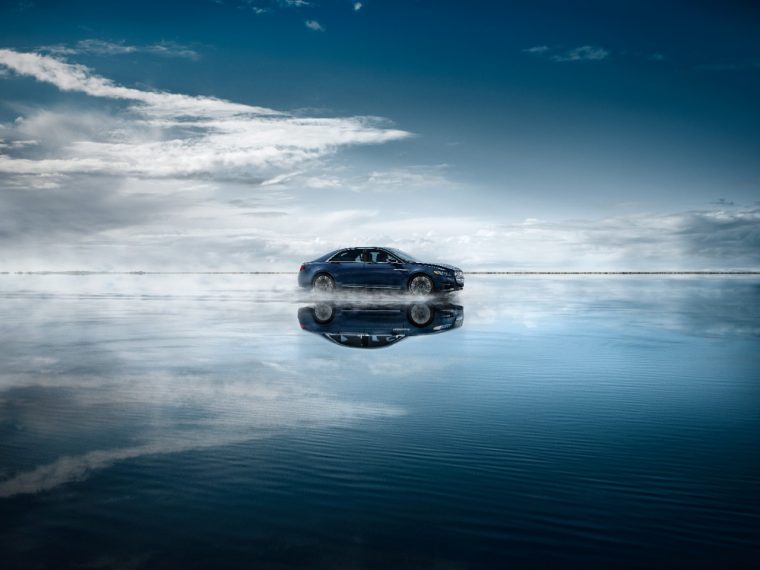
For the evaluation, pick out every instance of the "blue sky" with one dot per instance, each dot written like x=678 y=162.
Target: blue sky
x=252 y=135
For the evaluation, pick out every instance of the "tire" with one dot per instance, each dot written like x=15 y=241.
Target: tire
x=323 y=283
x=421 y=285
x=419 y=314
x=323 y=313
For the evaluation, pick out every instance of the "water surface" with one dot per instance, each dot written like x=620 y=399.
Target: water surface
x=189 y=422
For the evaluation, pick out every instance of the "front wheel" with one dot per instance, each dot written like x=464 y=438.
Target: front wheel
x=420 y=315
x=323 y=313
x=323 y=283
x=421 y=285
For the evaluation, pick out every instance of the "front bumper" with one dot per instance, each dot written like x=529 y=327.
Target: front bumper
x=450 y=286
x=449 y=282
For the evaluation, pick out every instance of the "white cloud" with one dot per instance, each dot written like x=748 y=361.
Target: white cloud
x=264 y=6
x=358 y=6
x=400 y=179
x=314 y=25
x=55 y=166
x=163 y=134
x=149 y=173
x=581 y=53
x=17 y=144
x=403 y=179
x=690 y=240
x=94 y=231
x=74 y=77
x=103 y=47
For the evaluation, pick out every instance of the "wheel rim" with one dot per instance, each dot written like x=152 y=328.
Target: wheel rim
x=421 y=285
x=324 y=283
x=420 y=314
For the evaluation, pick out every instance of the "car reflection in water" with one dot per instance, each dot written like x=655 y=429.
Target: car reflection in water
x=378 y=325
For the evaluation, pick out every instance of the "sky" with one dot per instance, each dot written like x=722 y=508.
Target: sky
x=252 y=135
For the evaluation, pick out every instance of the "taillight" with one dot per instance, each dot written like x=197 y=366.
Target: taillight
x=303 y=267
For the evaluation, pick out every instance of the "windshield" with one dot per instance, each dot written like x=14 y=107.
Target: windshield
x=402 y=254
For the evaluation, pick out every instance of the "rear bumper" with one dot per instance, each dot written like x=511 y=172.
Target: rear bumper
x=304 y=279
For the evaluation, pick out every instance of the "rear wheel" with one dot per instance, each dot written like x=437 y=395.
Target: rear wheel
x=421 y=285
x=323 y=283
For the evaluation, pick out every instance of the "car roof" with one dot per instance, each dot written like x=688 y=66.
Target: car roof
x=365 y=247
x=327 y=256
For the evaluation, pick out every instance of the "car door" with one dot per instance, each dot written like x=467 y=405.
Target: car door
x=380 y=269
x=346 y=266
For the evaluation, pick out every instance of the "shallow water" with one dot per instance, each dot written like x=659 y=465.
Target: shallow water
x=190 y=421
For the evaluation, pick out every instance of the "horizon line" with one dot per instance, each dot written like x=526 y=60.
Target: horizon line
x=484 y=272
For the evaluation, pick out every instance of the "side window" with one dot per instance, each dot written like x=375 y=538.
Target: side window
x=380 y=256
x=348 y=255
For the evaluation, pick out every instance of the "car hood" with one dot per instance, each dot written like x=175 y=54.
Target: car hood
x=440 y=265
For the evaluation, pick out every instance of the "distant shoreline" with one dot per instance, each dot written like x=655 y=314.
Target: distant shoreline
x=296 y=272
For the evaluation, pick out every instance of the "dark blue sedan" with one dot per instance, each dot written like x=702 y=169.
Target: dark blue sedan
x=378 y=268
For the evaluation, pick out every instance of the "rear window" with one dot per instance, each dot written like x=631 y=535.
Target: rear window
x=348 y=255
